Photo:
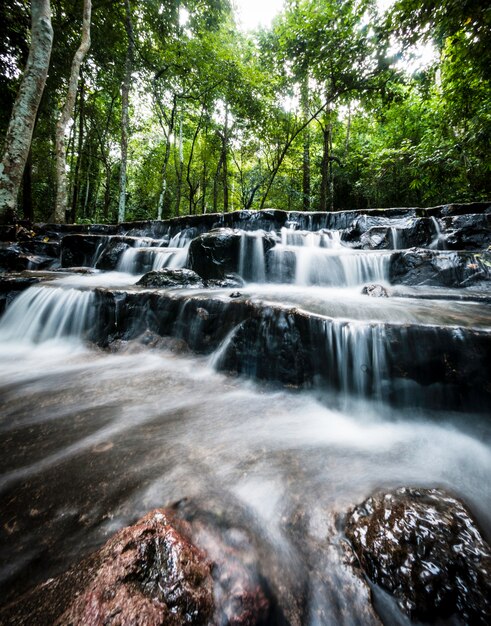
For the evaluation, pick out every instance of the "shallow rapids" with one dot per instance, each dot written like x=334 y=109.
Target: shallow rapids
x=91 y=441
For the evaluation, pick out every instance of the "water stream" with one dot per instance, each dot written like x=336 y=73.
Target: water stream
x=93 y=439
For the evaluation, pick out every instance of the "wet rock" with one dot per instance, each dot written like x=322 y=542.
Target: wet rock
x=227 y=282
x=174 y=567
x=112 y=253
x=148 y=574
x=467 y=232
x=423 y=546
x=79 y=250
x=446 y=210
x=439 y=267
x=171 y=278
x=377 y=238
x=375 y=291
x=13 y=258
x=235 y=294
x=12 y=285
x=215 y=254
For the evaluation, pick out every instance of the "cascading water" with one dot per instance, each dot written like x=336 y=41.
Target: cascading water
x=93 y=439
x=45 y=313
x=252 y=264
x=312 y=265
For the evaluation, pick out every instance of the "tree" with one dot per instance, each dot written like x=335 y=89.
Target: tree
x=125 y=92
x=66 y=114
x=23 y=118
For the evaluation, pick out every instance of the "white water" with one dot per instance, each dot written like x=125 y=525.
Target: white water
x=44 y=313
x=94 y=441
x=328 y=266
x=91 y=441
x=252 y=265
x=139 y=260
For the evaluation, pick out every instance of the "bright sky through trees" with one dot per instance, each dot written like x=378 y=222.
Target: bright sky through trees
x=255 y=13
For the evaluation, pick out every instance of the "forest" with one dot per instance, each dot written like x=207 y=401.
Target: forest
x=164 y=108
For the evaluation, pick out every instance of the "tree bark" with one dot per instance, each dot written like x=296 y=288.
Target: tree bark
x=306 y=146
x=76 y=176
x=125 y=97
x=325 y=169
x=225 y=162
x=21 y=125
x=27 y=208
x=66 y=116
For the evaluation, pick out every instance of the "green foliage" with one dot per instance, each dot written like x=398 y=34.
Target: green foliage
x=240 y=110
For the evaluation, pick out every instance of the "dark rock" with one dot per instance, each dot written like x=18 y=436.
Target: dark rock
x=12 y=285
x=171 y=278
x=41 y=248
x=377 y=238
x=227 y=282
x=165 y=569
x=423 y=546
x=12 y=258
x=7 y=232
x=439 y=268
x=376 y=291
x=79 y=250
x=148 y=574
x=446 y=210
x=215 y=254
x=235 y=294
x=467 y=232
x=111 y=255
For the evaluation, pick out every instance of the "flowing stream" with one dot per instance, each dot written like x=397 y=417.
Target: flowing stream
x=92 y=439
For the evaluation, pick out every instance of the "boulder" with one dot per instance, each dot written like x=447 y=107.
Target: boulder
x=167 y=278
x=377 y=238
x=163 y=570
x=375 y=291
x=227 y=282
x=439 y=267
x=113 y=251
x=147 y=574
x=217 y=253
x=467 y=232
x=422 y=546
x=79 y=250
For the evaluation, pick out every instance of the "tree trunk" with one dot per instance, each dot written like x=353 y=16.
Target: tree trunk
x=324 y=170
x=66 y=116
x=21 y=125
x=27 y=208
x=306 y=147
x=125 y=97
x=76 y=177
x=225 y=162
x=179 y=168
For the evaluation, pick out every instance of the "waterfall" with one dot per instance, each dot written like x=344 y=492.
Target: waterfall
x=327 y=266
x=438 y=242
x=394 y=234
x=43 y=313
x=252 y=265
x=142 y=260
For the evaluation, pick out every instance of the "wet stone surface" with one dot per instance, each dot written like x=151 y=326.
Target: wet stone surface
x=171 y=278
x=423 y=546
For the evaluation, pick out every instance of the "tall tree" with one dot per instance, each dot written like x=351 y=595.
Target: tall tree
x=65 y=118
x=21 y=126
x=125 y=117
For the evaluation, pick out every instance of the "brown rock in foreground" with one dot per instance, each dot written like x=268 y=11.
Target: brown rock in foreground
x=153 y=574
x=148 y=574
x=423 y=546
